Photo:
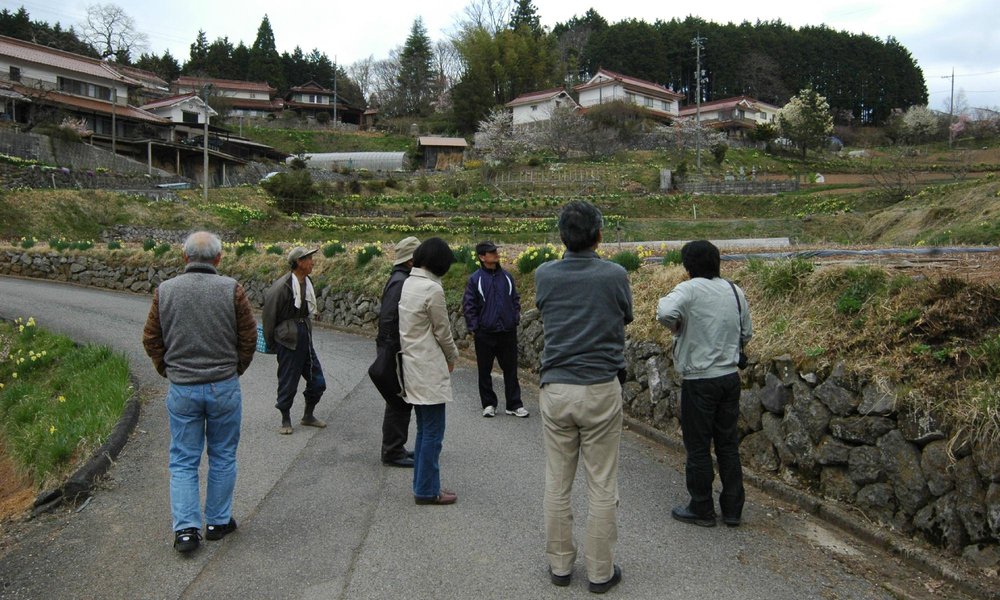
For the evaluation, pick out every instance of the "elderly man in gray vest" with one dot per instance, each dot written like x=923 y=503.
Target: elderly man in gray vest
x=201 y=336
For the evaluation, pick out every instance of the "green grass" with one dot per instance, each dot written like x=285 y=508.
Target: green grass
x=59 y=401
x=305 y=140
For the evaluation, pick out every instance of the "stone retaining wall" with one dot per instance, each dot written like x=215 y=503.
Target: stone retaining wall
x=832 y=432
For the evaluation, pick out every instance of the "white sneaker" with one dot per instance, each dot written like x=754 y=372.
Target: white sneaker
x=489 y=412
x=520 y=412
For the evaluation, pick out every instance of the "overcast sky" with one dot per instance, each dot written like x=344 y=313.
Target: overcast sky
x=963 y=35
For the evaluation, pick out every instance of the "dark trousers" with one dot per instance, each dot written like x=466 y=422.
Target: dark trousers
x=295 y=364
x=395 y=420
x=502 y=347
x=710 y=409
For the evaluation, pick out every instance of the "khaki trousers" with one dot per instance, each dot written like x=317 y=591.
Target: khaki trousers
x=581 y=421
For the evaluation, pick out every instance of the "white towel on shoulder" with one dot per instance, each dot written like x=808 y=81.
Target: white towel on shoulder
x=310 y=294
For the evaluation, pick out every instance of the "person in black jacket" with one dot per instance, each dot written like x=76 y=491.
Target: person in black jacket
x=492 y=309
x=396 y=420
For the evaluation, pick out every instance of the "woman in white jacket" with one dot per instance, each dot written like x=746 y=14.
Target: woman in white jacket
x=429 y=355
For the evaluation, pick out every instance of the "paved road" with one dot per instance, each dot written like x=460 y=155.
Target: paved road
x=320 y=517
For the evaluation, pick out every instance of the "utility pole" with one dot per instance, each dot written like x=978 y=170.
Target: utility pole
x=951 y=106
x=336 y=98
x=204 y=167
x=698 y=43
x=114 y=101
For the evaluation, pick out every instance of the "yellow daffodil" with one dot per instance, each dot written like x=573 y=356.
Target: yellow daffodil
x=62 y=398
x=52 y=429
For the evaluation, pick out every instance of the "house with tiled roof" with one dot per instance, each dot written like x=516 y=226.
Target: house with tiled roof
x=310 y=99
x=608 y=86
x=242 y=98
x=50 y=80
x=734 y=116
x=535 y=107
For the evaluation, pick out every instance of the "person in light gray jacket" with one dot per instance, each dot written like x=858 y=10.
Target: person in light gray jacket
x=710 y=321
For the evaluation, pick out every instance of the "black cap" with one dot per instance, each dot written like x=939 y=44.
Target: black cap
x=484 y=247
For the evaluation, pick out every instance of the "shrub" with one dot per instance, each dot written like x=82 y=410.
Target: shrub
x=148 y=244
x=275 y=249
x=628 y=259
x=366 y=253
x=534 y=161
x=333 y=248
x=290 y=187
x=161 y=250
x=114 y=245
x=719 y=152
x=863 y=283
x=354 y=186
x=375 y=186
x=58 y=244
x=424 y=184
x=457 y=187
x=84 y=245
x=391 y=183
x=672 y=257
x=246 y=246
x=28 y=242
x=322 y=118
x=533 y=256
x=466 y=255
x=781 y=277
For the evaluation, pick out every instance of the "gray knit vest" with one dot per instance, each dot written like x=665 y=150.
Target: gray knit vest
x=198 y=317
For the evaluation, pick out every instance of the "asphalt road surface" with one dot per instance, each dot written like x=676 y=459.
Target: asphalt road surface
x=320 y=516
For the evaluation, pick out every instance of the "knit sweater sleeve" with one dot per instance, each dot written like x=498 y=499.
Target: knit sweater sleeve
x=246 y=329
x=152 y=336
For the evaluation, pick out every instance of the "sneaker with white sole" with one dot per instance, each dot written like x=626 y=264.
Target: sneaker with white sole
x=520 y=411
x=490 y=412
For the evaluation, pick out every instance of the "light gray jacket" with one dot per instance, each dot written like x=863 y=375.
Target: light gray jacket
x=707 y=344
x=425 y=339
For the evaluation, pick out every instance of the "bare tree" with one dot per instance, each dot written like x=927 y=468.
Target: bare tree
x=498 y=141
x=362 y=73
x=491 y=15
x=111 y=30
x=384 y=83
x=560 y=132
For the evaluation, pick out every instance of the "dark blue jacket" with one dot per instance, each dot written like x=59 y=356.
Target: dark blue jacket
x=491 y=303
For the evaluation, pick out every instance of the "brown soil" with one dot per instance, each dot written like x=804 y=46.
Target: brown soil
x=17 y=493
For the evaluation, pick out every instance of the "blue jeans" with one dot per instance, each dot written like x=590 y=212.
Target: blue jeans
x=200 y=412
x=427 y=450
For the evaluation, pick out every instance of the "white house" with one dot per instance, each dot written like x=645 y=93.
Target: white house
x=608 y=86
x=735 y=115
x=538 y=106
x=244 y=98
x=187 y=111
x=311 y=98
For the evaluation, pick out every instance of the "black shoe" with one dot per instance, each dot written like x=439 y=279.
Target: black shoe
x=684 y=515
x=217 y=532
x=187 y=540
x=560 y=580
x=731 y=521
x=600 y=588
x=404 y=462
x=410 y=454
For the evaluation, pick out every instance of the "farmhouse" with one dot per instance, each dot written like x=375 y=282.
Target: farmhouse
x=311 y=99
x=535 y=107
x=608 y=86
x=734 y=116
x=241 y=98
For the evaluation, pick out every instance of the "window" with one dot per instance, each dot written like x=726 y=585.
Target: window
x=534 y=107
x=313 y=99
x=630 y=97
x=15 y=74
x=190 y=117
x=82 y=88
x=648 y=102
x=665 y=105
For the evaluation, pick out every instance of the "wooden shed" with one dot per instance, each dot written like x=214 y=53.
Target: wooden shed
x=440 y=153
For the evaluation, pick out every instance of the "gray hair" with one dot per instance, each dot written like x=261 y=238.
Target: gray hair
x=202 y=246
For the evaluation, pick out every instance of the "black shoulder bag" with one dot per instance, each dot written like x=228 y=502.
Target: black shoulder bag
x=743 y=361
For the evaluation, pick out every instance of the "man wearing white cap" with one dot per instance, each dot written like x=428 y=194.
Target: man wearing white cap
x=396 y=421
x=288 y=306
